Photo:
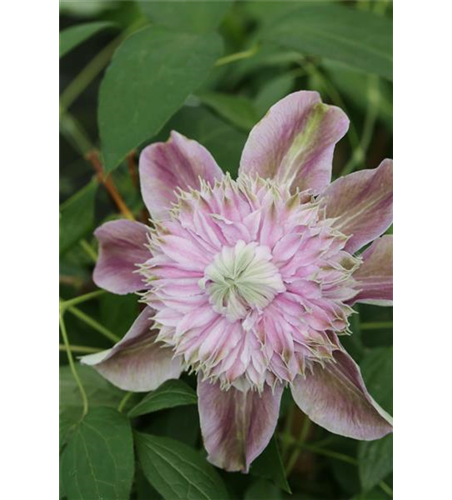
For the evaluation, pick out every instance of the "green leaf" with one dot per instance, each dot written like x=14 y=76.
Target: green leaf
x=177 y=471
x=197 y=17
x=98 y=461
x=375 y=461
x=376 y=367
x=359 y=39
x=170 y=394
x=148 y=80
x=98 y=390
x=75 y=35
x=77 y=216
x=65 y=427
x=62 y=493
x=261 y=490
x=269 y=465
x=238 y=110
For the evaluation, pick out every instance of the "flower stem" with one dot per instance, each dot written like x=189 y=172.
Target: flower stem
x=386 y=488
x=287 y=432
x=93 y=324
x=72 y=364
x=320 y=451
x=238 y=56
x=376 y=325
x=71 y=129
x=123 y=401
x=81 y=348
x=89 y=250
x=301 y=440
x=64 y=304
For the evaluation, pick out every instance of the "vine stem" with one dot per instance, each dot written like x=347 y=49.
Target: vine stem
x=287 y=430
x=377 y=325
x=72 y=364
x=301 y=440
x=94 y=324
x=64 y=304
x=93 y=157
x=320 y=451
x=73 y=131
x=80 y=348
x=123 y=401
x=131 y=164
x=89 y=250
x=237 y=56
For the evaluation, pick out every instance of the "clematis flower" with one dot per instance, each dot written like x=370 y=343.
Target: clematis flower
x=250 y=282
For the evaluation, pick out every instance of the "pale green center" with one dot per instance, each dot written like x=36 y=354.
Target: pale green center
x=242 y=279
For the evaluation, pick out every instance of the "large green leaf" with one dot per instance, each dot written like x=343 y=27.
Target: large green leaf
x=75 y=35
x=170 y=394
x=359 y=39
x=148 y=80
x=198 y=17
x=269 y=465
x=68 y=421
x=98 y=461
x=177 y=471
x=374 y=461
x=77 y=216
x=238 y=110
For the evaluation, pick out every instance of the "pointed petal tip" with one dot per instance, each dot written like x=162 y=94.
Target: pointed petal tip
x=335 y=397
x=361 y=204
x=295 y=141
x=168 y=166
x=136 y=363
x=236 y=425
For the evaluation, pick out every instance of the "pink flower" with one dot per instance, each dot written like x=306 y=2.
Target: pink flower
x=250 y=283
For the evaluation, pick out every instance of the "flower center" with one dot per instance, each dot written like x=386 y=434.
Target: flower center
x=241 y=279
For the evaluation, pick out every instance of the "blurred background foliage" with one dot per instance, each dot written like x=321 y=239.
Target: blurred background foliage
x=130 y=73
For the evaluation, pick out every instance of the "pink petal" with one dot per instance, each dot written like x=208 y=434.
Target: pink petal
x=167 y=166
x=374 y=277
x=295 y=142
x=336 y=398
x=236 y=426
x=362 y=202
x=137 y=363
x=121 y=248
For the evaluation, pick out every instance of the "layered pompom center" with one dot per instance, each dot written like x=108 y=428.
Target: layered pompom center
x=249 y=282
